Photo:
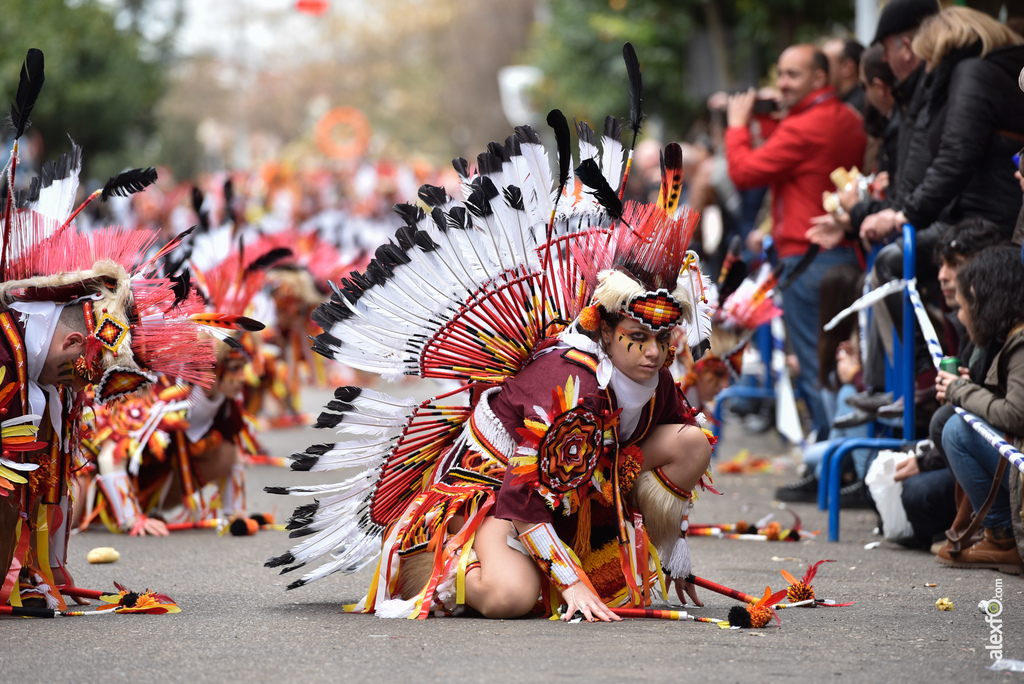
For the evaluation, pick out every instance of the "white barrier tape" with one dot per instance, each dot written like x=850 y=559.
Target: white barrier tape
x=925 y=323
x=1006 y=450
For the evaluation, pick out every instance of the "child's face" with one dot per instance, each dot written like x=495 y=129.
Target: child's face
x=636 y=350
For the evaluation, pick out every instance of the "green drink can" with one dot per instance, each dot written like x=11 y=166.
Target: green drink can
x=950 y=364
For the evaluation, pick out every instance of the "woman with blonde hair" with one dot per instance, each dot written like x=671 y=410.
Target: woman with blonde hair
x=959 y=27
x=972 y=118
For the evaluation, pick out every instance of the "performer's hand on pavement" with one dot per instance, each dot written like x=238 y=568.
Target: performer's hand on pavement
x=579 y=597
x=153 y=526
x=684 y=589
x=905 y=469
x=741 y=107
x=826 y=231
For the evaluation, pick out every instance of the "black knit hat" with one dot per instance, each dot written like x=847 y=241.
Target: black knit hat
x=902 y=15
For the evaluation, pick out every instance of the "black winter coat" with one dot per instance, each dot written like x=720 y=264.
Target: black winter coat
x=971 y=126
x=906 y=168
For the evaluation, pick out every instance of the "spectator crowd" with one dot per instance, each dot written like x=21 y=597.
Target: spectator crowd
x=925 y=125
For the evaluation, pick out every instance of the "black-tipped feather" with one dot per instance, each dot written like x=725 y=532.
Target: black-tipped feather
x=590 y=175
x=348 y=393
x=277 y=490
x=562 y=140
x=229 y=200
x=29 y=85
x=461 y=167
x=584 y=132
x=128 y=183
x=197 y=207
x=432 y=195
x=410 y=213
x=636 y=90
x=612 y=128
x=488 y=163
x=182 y=286
x=278 y=561
x=268 y=259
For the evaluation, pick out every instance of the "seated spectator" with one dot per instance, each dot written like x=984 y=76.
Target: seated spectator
x=817 y=134
x=970 y=122
x=992 y=311
x=928 y=484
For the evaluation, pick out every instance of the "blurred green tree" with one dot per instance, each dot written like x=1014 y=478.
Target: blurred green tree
x=98 y=89
x=578 y=45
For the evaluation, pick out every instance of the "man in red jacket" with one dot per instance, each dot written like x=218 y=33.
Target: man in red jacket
x=817 y=134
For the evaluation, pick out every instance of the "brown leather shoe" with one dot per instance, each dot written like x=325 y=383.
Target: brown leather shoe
x=991 y=552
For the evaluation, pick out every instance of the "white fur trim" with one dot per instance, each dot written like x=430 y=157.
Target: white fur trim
x=396 y=608
x=490 y=428
x=678 y=563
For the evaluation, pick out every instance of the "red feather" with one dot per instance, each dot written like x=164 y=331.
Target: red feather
x=811 y=571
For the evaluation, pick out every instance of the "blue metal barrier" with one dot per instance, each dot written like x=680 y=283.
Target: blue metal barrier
x=763 y=337
x=831 y=470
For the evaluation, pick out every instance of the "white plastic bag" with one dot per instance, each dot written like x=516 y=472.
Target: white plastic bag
x=886 y=492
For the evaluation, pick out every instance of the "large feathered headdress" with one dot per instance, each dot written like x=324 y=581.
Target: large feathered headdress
x=641 y=268
x=136 y=323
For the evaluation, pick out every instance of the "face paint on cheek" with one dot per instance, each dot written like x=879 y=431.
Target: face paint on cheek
x=629 y=347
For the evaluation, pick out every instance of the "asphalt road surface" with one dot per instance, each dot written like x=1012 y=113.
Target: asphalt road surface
x=238 y=624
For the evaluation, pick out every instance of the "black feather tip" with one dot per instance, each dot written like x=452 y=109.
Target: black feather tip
x=278 y=561
x=636 y=90
x=348 y=393
x=29 y=86
x=558 y=122
x=182 y=286
x=269 y=259
x=128 y=182
x=590 y=175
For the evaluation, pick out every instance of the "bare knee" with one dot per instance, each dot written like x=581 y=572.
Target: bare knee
x=507 y=601
x=682 y=452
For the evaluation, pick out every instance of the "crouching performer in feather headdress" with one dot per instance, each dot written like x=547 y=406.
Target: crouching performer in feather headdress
x=76 y=311
x=174 y=455
x=569 y=476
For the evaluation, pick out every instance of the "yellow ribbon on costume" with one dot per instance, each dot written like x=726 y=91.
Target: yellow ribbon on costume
x=460 y=577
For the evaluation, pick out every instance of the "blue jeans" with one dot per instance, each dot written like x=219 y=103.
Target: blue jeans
x=973 y=460
x=815 y=453
x=800 y=303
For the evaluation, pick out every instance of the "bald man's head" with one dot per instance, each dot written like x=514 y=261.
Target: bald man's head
x=802 y=70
